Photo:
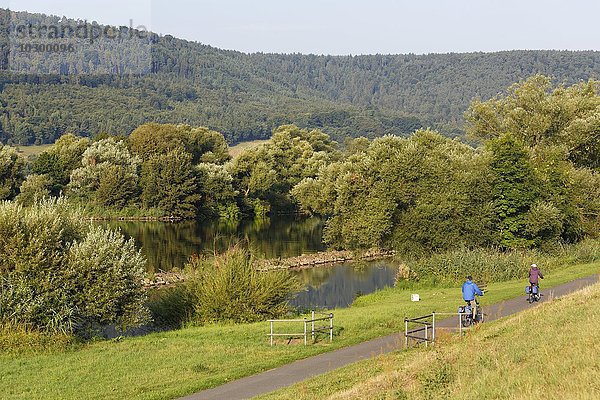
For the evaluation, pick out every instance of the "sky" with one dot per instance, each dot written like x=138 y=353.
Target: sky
x=340 y=27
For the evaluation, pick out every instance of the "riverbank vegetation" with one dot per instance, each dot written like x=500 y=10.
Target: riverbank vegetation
x=165 y=365
x=533 y=180
x=65 y=279
x=226 y=288
x=533 y=183
x=511 y=358
x=494 y=264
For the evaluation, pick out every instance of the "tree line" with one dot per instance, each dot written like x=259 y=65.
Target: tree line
x=166 y=170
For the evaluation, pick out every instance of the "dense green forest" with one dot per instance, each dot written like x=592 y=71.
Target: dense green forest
x=246 y=96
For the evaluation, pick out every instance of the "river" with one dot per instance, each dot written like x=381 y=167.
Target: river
x=169 y=245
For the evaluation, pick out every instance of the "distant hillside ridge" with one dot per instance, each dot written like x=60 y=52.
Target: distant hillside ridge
x=245 y=96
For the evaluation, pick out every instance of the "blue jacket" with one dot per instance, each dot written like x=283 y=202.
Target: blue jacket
x=469 y=290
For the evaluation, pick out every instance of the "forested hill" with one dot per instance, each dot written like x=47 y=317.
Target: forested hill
x=246 y=95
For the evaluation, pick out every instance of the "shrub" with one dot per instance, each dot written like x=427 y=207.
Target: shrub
x=59 y=276
x=230 y=289
x=104 y=279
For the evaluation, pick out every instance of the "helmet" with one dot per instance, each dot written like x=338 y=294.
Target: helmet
x=533 y=265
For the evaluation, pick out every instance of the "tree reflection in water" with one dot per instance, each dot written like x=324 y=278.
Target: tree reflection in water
x=169 y=245
x=338 y=286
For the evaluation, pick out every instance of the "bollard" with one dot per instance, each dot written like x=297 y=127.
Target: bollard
x=330 y=327
x=433 y=327
x=312 y=325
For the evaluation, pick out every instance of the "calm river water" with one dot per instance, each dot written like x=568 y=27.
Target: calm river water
x=168 y=245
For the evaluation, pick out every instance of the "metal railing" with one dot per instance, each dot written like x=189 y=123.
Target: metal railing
x=313 y=328
x=424 y=332
x=425 y=325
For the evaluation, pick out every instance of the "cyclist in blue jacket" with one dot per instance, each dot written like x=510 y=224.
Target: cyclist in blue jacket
x=469 y=290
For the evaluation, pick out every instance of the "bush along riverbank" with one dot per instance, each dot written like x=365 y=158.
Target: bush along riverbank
x=495 y=265
x=61 y=276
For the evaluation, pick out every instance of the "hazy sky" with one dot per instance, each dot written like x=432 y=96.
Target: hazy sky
x=350 y=26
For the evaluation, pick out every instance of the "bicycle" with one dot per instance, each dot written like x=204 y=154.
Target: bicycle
x=467 y=317
x=533 y=293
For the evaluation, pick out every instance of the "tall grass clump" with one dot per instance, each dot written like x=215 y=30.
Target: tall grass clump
x=19 y=339
x=487 y=265
x=171 y=308
x=60 y=276
x=495 y=265
x=229 y=288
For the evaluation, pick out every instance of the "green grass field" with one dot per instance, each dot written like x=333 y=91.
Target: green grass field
x=33 y=150
x=547 y=352
x=236 y=150
x=171 y=364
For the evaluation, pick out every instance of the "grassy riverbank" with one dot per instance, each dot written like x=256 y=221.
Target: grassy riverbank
x=515 y=357
x=171 y=364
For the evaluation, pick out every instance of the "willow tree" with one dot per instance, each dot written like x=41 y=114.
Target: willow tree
x=539 y=114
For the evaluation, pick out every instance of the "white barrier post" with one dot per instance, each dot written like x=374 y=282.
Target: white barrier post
x=433 y=327
x=312 y=325
x=305 y=331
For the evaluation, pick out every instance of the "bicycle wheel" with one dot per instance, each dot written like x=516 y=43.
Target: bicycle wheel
x=465 y=320
x=479 y=314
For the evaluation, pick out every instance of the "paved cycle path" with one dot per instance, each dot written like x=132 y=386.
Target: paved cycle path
x=300 y=370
